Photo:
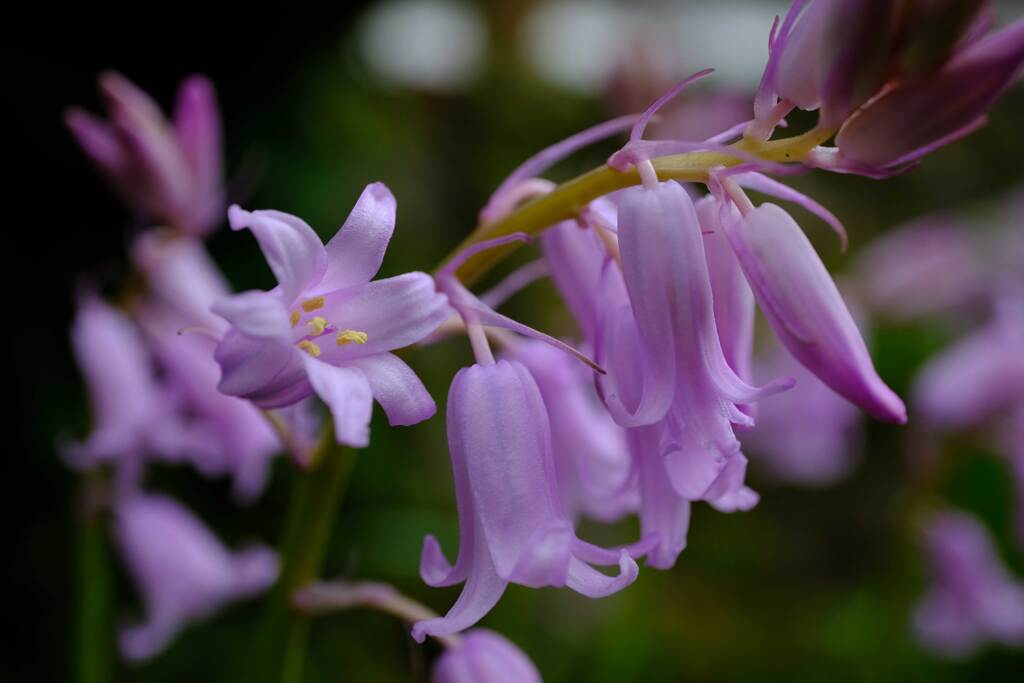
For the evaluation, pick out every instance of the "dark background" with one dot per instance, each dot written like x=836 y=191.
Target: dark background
x=812 y=585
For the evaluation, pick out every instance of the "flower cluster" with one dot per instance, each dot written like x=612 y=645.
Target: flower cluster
x=661 y=258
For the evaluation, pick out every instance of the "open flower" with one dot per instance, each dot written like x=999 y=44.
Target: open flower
x=483 y=656
x=512 y=525
x=181 y=570
x=168 y=172
x=327 y=329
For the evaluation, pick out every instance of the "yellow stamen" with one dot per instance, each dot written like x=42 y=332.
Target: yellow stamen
x=318 y=325
x=351 y=336
x=313 y=304
x=310 y=348
x=295 y=318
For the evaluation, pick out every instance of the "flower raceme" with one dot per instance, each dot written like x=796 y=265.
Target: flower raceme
x=170 y=172
x=327 y=328
x=512 y=523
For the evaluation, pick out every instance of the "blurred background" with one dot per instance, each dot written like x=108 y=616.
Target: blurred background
x=440 y=99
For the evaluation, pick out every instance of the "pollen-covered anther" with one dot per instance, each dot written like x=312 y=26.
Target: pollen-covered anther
x=313 y=304
x=294 y=318
x=318 y=325
x=310 y=348
x=351 y=336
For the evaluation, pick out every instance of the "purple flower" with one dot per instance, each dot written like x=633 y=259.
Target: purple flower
x=913 y=118
x=220 y=433
x=672 y=367
x=127 y=410
x=806 y=311
x=181 y=570
x=664 y=514
x=327 y=329
x=828 y=54
x=807 y=435
x=592 y=461
x=926 y=267
x=979 y=377
x=483 y=656
x=166 y=172
x=512 y=523
x=973 y=598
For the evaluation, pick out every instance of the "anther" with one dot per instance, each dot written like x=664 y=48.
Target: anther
x=351 y=336
x=295 y=318
x=310 y=348
x=318 y=325
x=313 y=304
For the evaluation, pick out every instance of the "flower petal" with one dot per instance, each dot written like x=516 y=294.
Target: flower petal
x=293 y=251
x=397 y=388
x=356 y=251
x=269 y=373
x=804 y=308
x=259 y=315
x=347 y=393
x=587 y=581
x=393 y=313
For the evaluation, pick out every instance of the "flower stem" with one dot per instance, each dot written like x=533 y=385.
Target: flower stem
x=93 y=646
x=316 y=494
x=566 y=200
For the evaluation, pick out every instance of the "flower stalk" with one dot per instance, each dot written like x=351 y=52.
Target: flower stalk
x=567 y=199
x=316 y=495
x=93 y=644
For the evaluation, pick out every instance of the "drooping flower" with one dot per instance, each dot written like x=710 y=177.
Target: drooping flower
x=592 y=461
x=327 y=329
x=483 y=656
x=181 y=570
x=674 y=358
x=129 y=418
x=973 y=598
x=512 y=524
x=167 y=172
x=221 y=433
x=806 y=310
x=915 y=117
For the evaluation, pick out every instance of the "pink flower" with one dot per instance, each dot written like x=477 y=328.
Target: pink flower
x=483 y=656
x=181 y=570
x=326 y=328
x=513 y=527
x=168 y=172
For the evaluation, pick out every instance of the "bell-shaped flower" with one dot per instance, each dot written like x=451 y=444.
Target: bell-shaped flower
x=512 y=524
x=181 y=570
x=483 y=656
x=592 y=461
x=167 y=172
x=220 y=434
x=327 y=329
x=127 y=408
x=979 y=377
x=805 y=309
x=677 y=365
x=732 y=297
x=916 y=117
x=807 y=435
x=973 y=598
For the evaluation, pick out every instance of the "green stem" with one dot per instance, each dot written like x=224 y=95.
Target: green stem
x=566 y=200
x=93 y=647
x=316 y=495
